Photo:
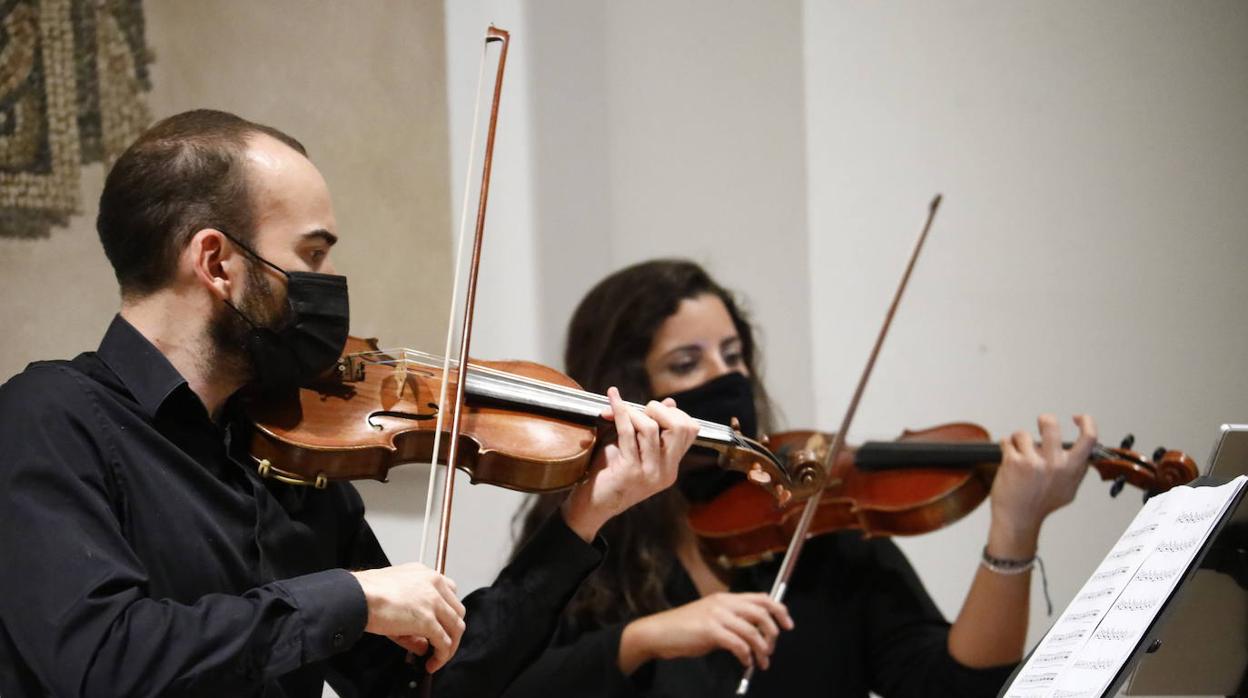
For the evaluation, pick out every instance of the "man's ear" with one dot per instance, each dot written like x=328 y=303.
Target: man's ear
x=215 y=264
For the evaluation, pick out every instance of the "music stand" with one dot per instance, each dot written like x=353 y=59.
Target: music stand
x=1203 y=647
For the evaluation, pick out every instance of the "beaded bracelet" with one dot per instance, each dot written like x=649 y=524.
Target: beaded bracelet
x=1007 y=567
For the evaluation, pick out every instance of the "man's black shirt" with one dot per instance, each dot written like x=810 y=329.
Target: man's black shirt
x=142 y=555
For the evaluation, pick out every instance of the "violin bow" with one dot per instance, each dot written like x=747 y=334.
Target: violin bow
x=780 y=586
x=503 y=38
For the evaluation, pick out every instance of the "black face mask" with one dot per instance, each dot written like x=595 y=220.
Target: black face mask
x=719 y=400
x=311 y=337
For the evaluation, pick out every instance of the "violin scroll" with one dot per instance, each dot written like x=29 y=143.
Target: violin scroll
x=1175 y=468
x=784 y=478
x=1166 y=469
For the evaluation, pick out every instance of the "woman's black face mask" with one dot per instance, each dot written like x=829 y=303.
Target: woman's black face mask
x=311 y=336
x=718 y=400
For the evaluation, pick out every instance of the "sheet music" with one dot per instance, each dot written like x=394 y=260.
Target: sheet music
x=1096 y=634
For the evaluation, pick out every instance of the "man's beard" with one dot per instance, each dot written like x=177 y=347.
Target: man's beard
x=227 y=354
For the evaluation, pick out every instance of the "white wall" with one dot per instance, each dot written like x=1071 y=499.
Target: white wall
x=1089 y=253
x=706 y=159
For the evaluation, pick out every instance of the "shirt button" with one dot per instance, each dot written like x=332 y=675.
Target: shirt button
x=339 y=640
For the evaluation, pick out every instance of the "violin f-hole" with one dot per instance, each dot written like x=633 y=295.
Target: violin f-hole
x=399 y=414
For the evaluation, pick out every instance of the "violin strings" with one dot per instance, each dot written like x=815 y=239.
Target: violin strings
x=479 y=371
x=534 y=385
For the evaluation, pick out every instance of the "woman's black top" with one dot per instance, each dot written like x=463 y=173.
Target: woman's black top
x=864 y=624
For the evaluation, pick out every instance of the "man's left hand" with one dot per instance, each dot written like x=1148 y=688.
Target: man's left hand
x=642 y=461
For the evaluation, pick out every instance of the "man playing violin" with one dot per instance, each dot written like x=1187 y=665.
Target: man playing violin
x=143 y=556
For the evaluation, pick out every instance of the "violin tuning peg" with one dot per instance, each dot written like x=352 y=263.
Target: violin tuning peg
x=758 y=475
x=1116 y=488
x=1159 y=453
x=1128 y=441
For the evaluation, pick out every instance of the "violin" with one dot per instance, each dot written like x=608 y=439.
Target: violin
x=525 y=426
x=925 y=480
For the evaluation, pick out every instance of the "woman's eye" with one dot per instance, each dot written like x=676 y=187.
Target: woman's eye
x=683 y=368
x=735 y=360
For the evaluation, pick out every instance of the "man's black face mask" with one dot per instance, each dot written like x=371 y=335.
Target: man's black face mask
x=311 y=336
x=718 y=400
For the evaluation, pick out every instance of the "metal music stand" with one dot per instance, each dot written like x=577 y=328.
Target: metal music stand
x=1203 y=648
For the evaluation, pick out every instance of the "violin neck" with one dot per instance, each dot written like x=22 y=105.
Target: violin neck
x=561 y=401
x=580 y=405
x=899 y=455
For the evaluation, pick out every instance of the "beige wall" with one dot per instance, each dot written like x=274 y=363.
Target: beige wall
x=363 y=86
x=59 y=294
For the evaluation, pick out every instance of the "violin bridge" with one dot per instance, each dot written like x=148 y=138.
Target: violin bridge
x=400 y=377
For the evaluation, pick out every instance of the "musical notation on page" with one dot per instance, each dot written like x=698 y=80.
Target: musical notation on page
x=1097 y=633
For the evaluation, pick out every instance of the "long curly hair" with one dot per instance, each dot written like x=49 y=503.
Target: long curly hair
x=608 y=338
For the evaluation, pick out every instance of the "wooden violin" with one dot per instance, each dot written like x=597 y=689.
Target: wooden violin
x=525 y=426
x=925 y=480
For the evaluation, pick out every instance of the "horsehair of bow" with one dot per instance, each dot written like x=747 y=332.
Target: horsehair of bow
x=838 y=439
x=450 y=320
x=492 y=35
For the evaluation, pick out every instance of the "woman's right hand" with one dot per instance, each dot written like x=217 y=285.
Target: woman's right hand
x=745 y=624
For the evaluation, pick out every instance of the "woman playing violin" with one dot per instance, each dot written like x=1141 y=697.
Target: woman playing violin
x=658 y=619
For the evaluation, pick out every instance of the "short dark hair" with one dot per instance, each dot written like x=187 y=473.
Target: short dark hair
x=185 y=173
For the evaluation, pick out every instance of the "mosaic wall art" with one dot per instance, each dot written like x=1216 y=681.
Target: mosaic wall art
x=72 y=78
